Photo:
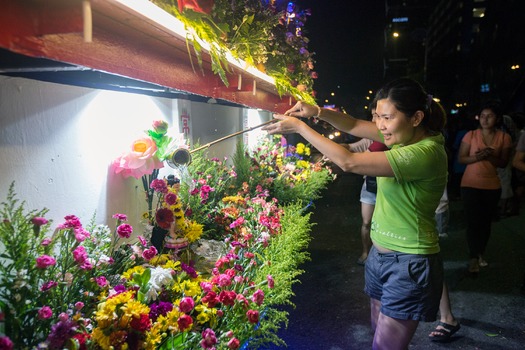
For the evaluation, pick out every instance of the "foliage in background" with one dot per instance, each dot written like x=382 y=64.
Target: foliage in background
x=265 y=34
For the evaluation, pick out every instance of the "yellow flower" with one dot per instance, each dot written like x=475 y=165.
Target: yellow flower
x=300 y=148
x=206 y=315
x=193 y=231
x=191 y=288
x=136 y=269
x=101 y=339
x=134 y=308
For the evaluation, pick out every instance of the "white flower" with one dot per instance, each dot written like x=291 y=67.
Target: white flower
x=160 y=277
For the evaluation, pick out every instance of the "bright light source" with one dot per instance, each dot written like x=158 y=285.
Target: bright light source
x=515 y=66
x=332 y=93
x=331 y=136
x=395 y=34
x=370 y=91
x=368 y=97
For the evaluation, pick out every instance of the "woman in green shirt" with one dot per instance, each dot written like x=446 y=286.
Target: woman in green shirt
x=404 y=270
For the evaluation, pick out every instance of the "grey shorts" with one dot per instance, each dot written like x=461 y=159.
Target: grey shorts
x=367 y=197
x=408 y=286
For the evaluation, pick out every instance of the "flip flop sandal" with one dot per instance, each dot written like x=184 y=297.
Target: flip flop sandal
x=444 y=333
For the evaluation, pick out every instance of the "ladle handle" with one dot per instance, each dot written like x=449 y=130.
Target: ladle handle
x=231 y=135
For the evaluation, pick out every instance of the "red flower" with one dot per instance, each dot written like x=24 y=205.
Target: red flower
x=227 y=297
x=164 y=218
x=253 y=316
x=202 y=6
x=142 y=323
x=210 y=299
x=184 y=322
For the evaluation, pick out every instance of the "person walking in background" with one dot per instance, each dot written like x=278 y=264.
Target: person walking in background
x=483 y=151
x=505 y=173
x=367 y=196
x=404 y=270
x=448 y=325
x=519 y=166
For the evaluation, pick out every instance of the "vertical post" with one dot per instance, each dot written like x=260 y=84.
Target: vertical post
x=88 y=21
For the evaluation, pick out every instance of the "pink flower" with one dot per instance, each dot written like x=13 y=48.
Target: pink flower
x=45 y=312
x=124 y=230
x=101 y=281
x=159 y=185
x=39 y=221
x=46 y=242
x=71 y=222
x=141 y=160
x=44 y=261
x=6 y=343
x=206 y=286
x=234 y=343
x=142 y=241
x=81 y=234
x=160 y=126
x=208 y=338
x=258 y=297
x=186 y=304
x=79 y=305
x=47 y=286
x=80 y=254
x=149 y=253
x=170 y=198
x=271 y=281
x=120 y=217
x=253 y=316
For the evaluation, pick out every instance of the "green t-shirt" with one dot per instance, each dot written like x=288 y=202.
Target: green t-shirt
x=404 y=216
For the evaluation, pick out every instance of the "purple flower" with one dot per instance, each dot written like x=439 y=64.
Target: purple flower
x=159 y=309
x=60 y=333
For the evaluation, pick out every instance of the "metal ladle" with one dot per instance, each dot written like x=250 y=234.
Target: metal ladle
x=182 y=156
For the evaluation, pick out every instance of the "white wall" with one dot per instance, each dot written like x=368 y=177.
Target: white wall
x=57 y=143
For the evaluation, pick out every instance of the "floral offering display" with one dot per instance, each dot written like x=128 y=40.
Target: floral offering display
x=76 y=286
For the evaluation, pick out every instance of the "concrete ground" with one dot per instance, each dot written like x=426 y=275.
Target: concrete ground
x=333 y=313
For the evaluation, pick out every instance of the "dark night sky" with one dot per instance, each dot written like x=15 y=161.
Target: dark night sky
x=347 y=38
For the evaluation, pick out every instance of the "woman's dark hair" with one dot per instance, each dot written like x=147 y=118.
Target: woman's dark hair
x=409 y=97
x=495 y=107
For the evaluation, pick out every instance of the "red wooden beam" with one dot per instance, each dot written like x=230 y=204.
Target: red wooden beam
x=125 y=43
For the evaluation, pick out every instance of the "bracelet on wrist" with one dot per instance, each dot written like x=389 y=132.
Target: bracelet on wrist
x=318 y=116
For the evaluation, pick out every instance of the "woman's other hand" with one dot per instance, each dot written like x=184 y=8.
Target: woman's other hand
x=303 y=110
x=283 y=125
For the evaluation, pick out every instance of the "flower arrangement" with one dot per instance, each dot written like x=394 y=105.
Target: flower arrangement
x=265 y=34
x=86 y=287
x=50 y=281
x=288 y=171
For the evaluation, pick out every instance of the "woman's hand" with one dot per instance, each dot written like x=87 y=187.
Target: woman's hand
x=283 y=125
x=303 y=110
